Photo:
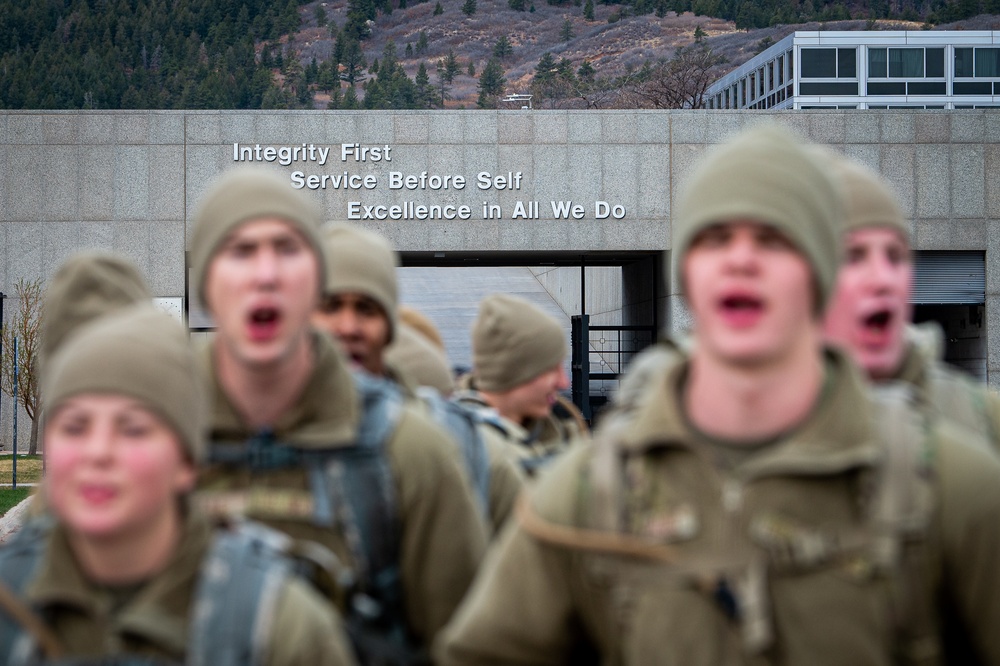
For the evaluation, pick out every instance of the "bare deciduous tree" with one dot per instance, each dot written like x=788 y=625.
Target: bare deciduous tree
x=681 y=82
x=24 y=325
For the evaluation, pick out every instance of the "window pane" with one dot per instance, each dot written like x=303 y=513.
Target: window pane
x=828 y=88
x=876 y=63
x=847 y=63
x=987 y=62
x=963 y=62
x=887 y=88
x=972 y=88
x=935 y=62
x=819 y=63
x=925 y=88
x=906 y=63
x=781 y=70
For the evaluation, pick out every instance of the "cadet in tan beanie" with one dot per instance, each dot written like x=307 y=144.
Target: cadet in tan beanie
x=120 y=544
x=518 y=353
x=88 y=285
x=870 y=312
x=289 y=413
x=360 y=296
x=707 y=523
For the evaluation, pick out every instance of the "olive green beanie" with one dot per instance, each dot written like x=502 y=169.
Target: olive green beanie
x=419 y=360
x=766 y=175
x=89 y=284
x=140 y=352
x=362 y=262
x=870 y=202
x=243 y=195
x=513 y=341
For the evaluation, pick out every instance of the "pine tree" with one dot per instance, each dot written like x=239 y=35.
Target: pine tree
x=502 y=47
x=438 y=9
x=566 y=33
x=588 y=10
x=451 y=66
x=518 y=5
x=469 y=7
x=491 y=84
x=409 y=50
x=422 y=44
x=472 y=68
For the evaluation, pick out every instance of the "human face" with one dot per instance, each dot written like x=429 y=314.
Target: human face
x=751 y=294
x=262 y=285
x=361 y=326
x=871 y=307
x=535 y=398
x=113 y=468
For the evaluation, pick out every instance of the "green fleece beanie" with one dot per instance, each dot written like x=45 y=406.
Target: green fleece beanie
x=243 y=195
x=362 y=262
x=870 y=202
x=419 y=360
x=89 y=284
x=513 y=341
x=766 y=175
x=139 y=352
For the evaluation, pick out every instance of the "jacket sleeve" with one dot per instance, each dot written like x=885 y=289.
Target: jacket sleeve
x=506 y=479
x=522 y=607
x=443 y=531
x=307 y=631
x=969 y=506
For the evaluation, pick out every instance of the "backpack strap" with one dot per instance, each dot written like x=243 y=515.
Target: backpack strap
x=236 y=596
x=23 y=634
x=900 y=514
x=463 y=424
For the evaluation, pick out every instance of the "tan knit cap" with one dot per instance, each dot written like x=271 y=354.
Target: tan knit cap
x=139 y=352
x=246 y=194
x=419 y=360
x=766 y=175
x=870 y=202
x=513 y=341
x=362 y=262
x=422 y=324
x=89 y=284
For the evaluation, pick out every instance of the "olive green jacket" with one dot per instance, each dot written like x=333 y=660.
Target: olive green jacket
x=770 y=562
x=154 y=621
x=945 y=390
x=443 y=537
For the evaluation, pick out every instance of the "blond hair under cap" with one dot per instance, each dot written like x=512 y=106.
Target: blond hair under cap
x=246 y=194
x=766 y=175
x=870 y=202
x=139 y=352
x=89 y=284
x=362 y=262
x=513 y=341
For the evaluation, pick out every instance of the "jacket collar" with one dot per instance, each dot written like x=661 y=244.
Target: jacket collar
x=837 y=435
x=326 y=414
x=157 y=613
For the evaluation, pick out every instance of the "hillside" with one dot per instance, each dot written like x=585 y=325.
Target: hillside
x=249 y=54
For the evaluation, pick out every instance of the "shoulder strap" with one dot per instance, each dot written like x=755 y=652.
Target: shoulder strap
x=22 y=632
x=236 y=596
x=462 y=423
x=900 y=514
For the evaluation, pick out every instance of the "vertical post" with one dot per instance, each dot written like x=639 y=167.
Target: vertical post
x=13 y=453
x=3 y=297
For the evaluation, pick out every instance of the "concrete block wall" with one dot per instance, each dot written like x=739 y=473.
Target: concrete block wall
x=129 y=181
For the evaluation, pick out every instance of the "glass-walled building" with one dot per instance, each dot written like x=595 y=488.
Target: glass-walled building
x=922 y=69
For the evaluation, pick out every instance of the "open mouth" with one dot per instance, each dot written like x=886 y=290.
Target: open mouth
x=878 y=322
x=742 y=304
x=264 y=322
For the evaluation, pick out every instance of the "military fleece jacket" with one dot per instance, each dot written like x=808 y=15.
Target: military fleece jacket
x=947 y=391
x=543 y=600
x=442 y=536
x=154 y=621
